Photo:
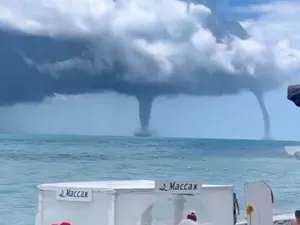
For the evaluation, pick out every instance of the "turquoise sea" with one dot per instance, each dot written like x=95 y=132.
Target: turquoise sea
x=26 y=161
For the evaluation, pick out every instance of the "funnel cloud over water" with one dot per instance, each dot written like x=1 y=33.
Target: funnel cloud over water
x=135 y=48
x=266 y=118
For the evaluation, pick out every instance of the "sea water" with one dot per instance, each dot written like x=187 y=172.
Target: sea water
x=26 y=161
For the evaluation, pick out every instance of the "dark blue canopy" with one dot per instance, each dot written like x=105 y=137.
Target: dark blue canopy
x=294 y=94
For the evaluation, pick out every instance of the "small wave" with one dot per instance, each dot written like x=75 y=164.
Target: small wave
x=53 y=157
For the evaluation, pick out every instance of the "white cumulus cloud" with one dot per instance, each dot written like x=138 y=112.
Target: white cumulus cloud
x=165 y=39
